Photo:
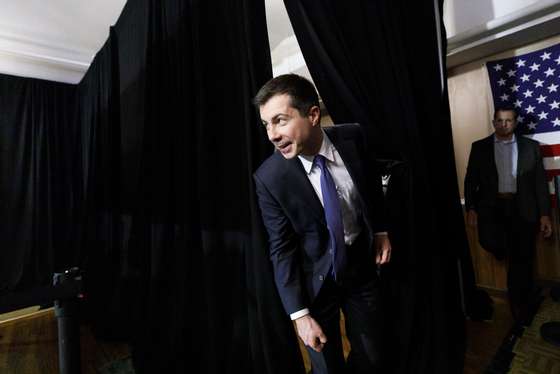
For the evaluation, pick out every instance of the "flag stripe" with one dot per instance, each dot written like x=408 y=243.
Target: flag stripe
x=552 y=173
x=552 y=150
x=551 y=163
x=547 y=138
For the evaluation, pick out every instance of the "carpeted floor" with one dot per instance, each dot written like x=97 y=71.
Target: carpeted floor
x=121 y=366
x=533 y=355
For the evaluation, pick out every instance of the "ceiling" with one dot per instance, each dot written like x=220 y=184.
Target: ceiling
x=53 y=40
x=57 y=40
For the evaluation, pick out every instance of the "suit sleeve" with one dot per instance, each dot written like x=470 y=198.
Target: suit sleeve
x=472 y=180
x=284 y=251
x=541 y=187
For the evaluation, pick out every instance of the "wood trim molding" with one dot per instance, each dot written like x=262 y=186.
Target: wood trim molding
x=528 y=25
x=30 y=55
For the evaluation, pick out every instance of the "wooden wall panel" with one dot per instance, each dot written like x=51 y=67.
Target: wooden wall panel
x=490 y=273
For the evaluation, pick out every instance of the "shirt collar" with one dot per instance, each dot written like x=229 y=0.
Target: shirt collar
x=512 y=140
x=326 y=150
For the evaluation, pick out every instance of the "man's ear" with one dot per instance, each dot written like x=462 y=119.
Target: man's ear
x=315 y=115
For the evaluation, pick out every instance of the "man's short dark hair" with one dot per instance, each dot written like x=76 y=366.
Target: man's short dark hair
x=506 y=109
x=301 y=91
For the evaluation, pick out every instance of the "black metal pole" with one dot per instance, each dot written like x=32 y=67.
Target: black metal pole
x=67 y=314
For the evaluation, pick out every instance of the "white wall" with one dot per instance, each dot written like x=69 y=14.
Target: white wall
x=463 y=15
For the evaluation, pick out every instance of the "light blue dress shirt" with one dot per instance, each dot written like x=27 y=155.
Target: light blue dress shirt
x=505 y=155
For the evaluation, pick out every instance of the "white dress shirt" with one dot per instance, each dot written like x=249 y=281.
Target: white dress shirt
x=347 y=194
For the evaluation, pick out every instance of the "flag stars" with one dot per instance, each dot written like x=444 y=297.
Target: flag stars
x=549 y=72
x=528 y=93
x=532 y=125
x=535 y=66
x=532 y=86
x=543 y=115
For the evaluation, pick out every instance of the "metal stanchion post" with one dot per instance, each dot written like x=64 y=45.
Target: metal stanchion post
x=67 y=314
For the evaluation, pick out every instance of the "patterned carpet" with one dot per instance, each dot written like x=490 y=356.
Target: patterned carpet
x=122 y=366
x=533 y=355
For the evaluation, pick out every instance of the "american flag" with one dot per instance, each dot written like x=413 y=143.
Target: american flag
x=531 y=84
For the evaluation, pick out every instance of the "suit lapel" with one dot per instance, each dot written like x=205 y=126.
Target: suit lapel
x=491 y=155
x=521 y=150
x=302 y=188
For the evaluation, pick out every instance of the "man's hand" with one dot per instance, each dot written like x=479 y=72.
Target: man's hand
x=472 y=218
x=382 y=247
x=311 y=333
x=546 y=226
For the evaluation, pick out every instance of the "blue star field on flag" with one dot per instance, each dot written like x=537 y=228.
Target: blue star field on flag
x=531 y=84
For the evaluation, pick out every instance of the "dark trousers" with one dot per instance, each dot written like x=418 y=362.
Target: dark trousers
x=518 y=238
x=357 y=293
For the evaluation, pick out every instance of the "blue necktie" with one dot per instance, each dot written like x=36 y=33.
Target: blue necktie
x=333 y=215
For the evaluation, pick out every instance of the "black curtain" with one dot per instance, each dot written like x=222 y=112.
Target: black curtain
x=102 y=227
x=37 y=181
x=377 y=63
x=142 y=176
x=189 y=265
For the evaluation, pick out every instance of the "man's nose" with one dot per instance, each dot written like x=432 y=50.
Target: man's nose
x=273 y=135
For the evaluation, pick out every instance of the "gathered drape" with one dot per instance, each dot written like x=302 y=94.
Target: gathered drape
x=142 y=176
x=37 y=184
x=377 y=63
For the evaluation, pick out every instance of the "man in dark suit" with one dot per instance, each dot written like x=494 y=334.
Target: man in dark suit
x=506 y=196
x=322 y=205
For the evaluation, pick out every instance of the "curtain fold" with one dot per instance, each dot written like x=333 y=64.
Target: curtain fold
x=193 y=245
x=100 y=214
x=198 y=281
x=37 y=188
x=377 y=63
x=142 y=175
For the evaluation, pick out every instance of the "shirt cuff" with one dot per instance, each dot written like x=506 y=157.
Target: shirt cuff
x=299 y=313
x=381 y=233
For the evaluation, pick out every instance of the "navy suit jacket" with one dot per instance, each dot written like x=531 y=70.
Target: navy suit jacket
x=295 y=220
